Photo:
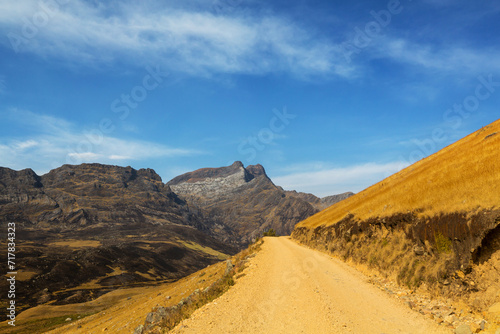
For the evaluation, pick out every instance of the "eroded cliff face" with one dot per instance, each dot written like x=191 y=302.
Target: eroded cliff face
x=452 y=254
x=245 y=199
x=467 y=237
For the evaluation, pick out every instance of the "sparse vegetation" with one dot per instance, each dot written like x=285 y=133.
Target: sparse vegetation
x=443 y=244
x=204 y=249
x=270 y=233
x=183 y=310
x=41 y=325
x=75 y=244
x=384 y=242
x=373 y=261
x=178 y=313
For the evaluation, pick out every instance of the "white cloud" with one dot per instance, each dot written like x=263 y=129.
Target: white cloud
x=53 y=142
x=196 y=42
x=25 y=144
x=191 y=39
x=452 y=59
x=84 y=157
x=119 y=157
x=331 y=181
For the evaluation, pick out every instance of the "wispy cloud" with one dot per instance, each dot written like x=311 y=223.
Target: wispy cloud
x=55 y=142
x=25 y=144
x=119 y=157
x=452 y=59
x=330 y=181
x=194 y=41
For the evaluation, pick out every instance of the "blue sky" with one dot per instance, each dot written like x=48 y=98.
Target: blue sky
x=330 y=96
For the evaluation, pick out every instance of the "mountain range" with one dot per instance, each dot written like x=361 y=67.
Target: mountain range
x=84 y=230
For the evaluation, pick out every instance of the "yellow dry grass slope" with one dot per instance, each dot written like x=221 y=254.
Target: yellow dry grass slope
x=463 y=177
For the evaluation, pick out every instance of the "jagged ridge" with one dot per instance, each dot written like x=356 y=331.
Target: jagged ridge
x=245 y=199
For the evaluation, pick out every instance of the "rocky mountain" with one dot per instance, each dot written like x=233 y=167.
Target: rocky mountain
x=88 y=229
x=320 y=203
x=244 y=199
x=84 y=230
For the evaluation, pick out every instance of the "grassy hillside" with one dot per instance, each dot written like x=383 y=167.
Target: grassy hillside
x=435 y=223
x=464 y=176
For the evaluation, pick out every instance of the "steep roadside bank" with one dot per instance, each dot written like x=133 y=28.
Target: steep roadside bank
x=435 y=225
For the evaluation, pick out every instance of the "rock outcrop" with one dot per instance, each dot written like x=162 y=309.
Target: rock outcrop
x=210 y=183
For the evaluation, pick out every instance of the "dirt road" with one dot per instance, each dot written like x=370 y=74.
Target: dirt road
x=292 y=289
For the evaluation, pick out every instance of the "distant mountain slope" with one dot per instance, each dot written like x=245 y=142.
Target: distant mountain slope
x=317 y=202
x=437 y=221
x=85 y=230
x=245 y=199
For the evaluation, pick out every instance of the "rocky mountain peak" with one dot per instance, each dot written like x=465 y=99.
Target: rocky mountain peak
x=22 y=179
x=99 y=176
x=149 y=173
x=202 y=174
x=216 y=182
x=256 y=170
